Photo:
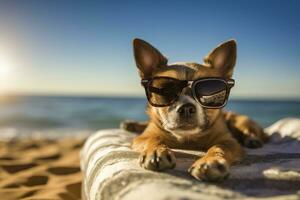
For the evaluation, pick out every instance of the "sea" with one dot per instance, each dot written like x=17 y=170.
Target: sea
x=73 y=115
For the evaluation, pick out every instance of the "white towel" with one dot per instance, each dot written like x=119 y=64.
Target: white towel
x=111 y=171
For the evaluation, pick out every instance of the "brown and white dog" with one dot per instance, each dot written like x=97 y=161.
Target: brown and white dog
x=212 y=130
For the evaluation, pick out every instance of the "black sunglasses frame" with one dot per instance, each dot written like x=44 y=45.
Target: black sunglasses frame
x=229 y=83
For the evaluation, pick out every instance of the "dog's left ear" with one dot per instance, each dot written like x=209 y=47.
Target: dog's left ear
x=223 y=58
x=147 y=58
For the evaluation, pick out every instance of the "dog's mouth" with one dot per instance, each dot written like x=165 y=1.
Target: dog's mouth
x=187 y=126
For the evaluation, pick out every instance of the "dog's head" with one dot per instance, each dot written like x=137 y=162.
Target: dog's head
x=185 y=116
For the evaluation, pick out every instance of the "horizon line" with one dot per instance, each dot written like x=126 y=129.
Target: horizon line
x=114 y=95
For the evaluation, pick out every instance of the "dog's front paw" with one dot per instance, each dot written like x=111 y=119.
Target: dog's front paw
x=158 y=159
x=210 y=169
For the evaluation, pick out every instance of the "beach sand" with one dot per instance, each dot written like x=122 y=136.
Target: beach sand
x=40 y=168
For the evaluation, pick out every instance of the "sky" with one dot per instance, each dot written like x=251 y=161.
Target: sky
x=85 y=47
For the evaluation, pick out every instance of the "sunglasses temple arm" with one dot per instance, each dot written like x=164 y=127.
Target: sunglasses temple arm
x=231 y=83
x=144 y=82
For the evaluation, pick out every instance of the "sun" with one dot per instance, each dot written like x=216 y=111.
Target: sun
x=6 y=72
x=5 y=68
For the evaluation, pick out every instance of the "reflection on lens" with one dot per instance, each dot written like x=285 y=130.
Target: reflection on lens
x=217 y=98
x=211 y=92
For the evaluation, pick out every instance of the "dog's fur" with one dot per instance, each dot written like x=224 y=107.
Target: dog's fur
x=212 y=130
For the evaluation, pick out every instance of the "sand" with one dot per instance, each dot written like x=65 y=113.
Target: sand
x=40 y=168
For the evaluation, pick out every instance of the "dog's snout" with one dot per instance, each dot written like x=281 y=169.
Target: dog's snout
x=186 y=110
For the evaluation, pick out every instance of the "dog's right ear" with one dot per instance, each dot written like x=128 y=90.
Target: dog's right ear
x=223 y=58
x=147 y=58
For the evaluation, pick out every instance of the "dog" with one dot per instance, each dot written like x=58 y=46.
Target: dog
x=184 y=123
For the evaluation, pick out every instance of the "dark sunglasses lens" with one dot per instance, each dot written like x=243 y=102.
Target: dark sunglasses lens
x=211 y=93
x=163 y=91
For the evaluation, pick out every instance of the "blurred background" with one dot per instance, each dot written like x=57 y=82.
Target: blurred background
x=66 y=67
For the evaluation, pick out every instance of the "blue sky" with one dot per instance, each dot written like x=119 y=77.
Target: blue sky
x=84 y=47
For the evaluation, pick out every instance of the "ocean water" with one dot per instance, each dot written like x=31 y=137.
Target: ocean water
x=21 y=114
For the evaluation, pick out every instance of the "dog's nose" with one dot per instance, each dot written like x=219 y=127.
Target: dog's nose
x=186 y=110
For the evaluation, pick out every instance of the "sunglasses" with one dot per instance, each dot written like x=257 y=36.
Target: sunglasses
x=208 y=92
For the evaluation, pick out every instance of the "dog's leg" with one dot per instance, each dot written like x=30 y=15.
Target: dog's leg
x=154 y=154
x=214 y=166
x=134 y=126
x=245 y=130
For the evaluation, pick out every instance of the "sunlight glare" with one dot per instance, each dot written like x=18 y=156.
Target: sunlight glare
x=6 y=72
x=5 y=67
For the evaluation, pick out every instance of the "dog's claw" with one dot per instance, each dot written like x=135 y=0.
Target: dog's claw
x=152 y=161
x=191 y=169
x=142 y=159
x=204 y=166
x=158 y=159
